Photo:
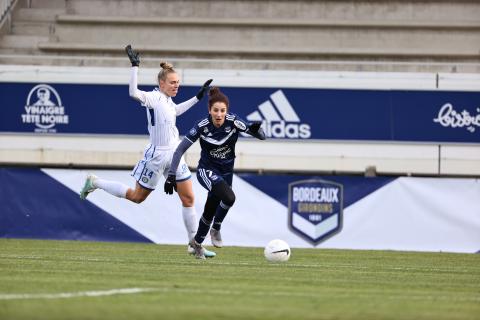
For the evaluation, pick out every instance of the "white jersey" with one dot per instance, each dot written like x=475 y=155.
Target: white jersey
x=162 y=113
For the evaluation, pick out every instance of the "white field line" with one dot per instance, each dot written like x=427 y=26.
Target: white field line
x=66 y=295
x=278 y=293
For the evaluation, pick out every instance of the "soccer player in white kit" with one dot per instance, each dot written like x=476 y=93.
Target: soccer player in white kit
x=164 y=138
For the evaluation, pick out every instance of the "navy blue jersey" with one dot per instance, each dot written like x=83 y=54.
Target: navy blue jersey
x=218 y=144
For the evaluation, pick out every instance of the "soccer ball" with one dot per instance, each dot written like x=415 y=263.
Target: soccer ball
x=277 y=251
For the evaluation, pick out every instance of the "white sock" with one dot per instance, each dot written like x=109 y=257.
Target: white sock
x=190 y=220
x=115 y=188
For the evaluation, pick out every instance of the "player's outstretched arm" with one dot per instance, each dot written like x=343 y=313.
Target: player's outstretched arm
x=184 y=106
x=133 y=83
x=171 y=183
x=255 y=130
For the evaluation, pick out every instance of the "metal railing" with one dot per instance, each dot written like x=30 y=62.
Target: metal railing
x=5 y=12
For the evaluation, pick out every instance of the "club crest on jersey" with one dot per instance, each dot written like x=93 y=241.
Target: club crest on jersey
x=44 y=109
x=240 y=125
x=193 y=131
x=228 y=129
x=205 y=130
x=315 y=209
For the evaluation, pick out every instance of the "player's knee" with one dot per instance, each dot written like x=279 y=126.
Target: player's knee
x=229 y=199
x=186 y=196
x=187 y=199
x=136 y=198
x=224 y=192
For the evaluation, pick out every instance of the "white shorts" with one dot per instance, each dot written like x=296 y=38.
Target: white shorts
x=156 y=161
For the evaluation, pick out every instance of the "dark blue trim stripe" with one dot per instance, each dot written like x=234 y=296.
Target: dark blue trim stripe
x=144 y=155
x=140 y=183
x=153 y=153
x=151 y=157
x=184 y=178
x=152 y=116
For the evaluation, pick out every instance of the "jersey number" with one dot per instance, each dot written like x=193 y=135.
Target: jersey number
x=147 y=173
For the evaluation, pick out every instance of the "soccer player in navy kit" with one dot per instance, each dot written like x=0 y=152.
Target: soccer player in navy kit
x=164 y=137
x=218 y=135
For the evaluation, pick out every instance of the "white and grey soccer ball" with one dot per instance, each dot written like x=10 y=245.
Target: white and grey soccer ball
x=277 y=251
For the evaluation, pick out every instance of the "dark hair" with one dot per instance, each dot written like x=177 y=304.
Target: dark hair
x=215 y=95
x=166 y=68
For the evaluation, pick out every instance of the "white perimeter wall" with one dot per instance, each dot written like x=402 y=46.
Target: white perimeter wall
x=282 y=155
x=408 y=214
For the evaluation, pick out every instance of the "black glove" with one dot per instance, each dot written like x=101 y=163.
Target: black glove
x=170 y=184
x=133 y=56
x=253 y=128
x=205 y=88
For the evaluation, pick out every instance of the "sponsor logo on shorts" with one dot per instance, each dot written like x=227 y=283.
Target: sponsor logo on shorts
x=184 y=168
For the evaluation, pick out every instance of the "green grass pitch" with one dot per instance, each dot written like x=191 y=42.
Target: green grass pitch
x=238 y=284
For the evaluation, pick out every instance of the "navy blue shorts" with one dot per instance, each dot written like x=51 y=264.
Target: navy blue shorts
x=208 y=178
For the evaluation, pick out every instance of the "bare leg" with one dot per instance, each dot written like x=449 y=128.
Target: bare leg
x=139 y=194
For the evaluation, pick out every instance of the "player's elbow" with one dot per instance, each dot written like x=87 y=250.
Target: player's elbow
x=132 y=93
x=135 y=94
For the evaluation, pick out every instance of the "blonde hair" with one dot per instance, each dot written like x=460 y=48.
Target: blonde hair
x=166 y=69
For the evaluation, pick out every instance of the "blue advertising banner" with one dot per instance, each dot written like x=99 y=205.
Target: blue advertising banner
x=337 y=114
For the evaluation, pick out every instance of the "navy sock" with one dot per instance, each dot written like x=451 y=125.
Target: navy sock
x=207 y=216
x=220 y=214
x=203 y=227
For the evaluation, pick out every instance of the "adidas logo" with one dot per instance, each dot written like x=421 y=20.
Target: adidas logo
x=280 y=119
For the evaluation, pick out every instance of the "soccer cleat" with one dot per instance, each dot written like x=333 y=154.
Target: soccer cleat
x=88 y=186
x=216 y=238
x=208 y=253
x=199 y=251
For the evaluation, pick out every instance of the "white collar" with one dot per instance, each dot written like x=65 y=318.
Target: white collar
x=163 y=94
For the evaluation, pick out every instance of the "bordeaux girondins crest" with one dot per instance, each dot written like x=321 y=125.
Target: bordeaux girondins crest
x=315 y=209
